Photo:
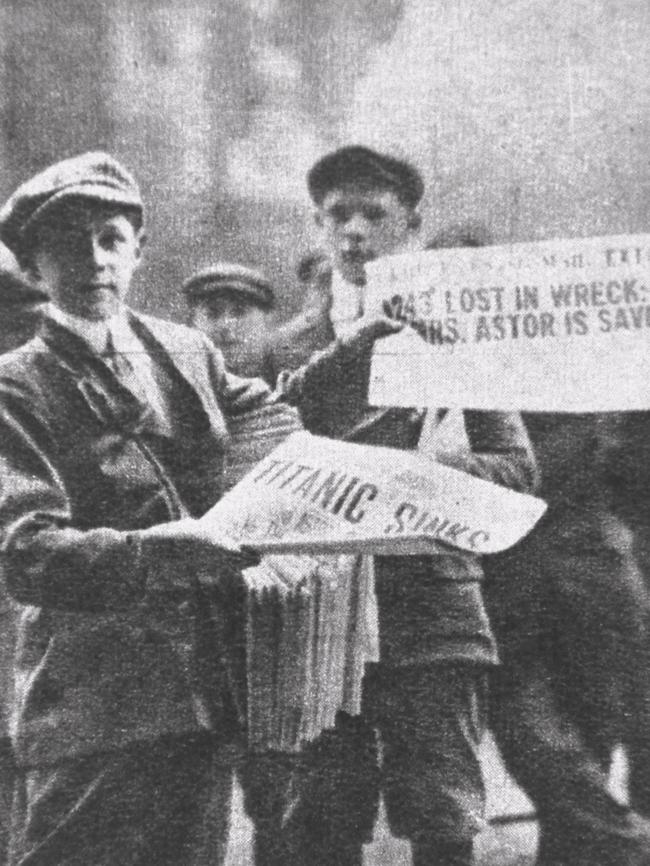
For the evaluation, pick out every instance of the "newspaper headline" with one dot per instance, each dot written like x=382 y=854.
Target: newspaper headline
x=313 y=494
x=547 y=326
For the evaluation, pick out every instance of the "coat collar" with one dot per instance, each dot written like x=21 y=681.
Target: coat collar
x=107 y=398
x=111 y=402
x=162 y=341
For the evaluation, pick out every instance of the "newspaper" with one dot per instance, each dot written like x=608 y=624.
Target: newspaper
x=306 y=630
x=549 y=326
x=299 y=646
x=313 y=494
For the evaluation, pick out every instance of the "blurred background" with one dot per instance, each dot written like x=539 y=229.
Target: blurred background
x=528 y=115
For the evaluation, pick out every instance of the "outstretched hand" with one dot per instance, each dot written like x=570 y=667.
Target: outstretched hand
x=370 y=328
x=197 y=547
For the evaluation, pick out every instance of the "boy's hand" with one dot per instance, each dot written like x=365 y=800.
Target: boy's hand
x=368 y=329
x=195 y=550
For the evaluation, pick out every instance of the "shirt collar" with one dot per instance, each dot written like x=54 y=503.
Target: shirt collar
x=347 y=299
x=95 y=333
x=340 y=285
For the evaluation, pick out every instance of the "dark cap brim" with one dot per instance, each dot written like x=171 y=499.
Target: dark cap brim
x=197 y=290
x=358 y=164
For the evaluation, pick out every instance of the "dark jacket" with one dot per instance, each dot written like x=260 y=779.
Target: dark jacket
x=430 y=608
x=294 y=342
x=573 y=583
x=111 y=647
x=625 y=468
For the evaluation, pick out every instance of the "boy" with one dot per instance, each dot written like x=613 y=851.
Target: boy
x=426 y=695
x=233 y=306
x=112 y=434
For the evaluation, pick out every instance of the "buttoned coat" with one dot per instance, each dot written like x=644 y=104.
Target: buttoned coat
x=430 y=608
x=113 y=645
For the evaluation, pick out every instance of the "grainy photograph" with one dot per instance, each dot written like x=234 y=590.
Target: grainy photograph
x=324 y=433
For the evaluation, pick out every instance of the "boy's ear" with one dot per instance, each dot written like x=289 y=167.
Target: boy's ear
x=142 y=240
x=318 y=219
x=30 y=267
x=414 y=221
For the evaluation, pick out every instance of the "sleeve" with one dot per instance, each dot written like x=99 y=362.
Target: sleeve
x=332 y=377
x=236 y=395
x=46 y=560
x=500 y=450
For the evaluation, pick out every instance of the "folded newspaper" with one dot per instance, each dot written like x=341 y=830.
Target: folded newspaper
x=318 y=495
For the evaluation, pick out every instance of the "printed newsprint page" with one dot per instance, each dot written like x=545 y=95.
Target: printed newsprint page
x=324 y=432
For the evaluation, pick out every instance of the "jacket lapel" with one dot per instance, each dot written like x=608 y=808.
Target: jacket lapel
x=174 y=358
x=106 y=397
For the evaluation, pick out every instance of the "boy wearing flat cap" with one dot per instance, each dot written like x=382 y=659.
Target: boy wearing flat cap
x=113 y=427
x=233 y=305
x=426 y=694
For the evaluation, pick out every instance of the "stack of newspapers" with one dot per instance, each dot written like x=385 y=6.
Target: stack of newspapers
x=301 y=619
x=304 y=646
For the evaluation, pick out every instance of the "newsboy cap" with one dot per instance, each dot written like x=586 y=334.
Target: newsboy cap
x=16 y=289
x=358 y=163
x=225 y=278
x=95 y=176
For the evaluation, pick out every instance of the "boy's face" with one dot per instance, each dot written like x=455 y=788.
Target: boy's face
x=85 y=256
x=359 y=223
x=236 y=326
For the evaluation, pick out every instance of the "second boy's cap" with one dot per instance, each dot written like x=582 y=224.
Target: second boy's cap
x=358 y=163
x=95 y=176
x=226 y=278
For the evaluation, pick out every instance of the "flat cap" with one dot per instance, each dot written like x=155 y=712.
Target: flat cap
x=16 y=289
x=95 y=176
x=469 y=234
x=230 y=279
x=358 y=163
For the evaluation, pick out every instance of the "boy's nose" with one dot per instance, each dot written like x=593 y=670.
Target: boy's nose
x=356 y=227
x=98 y=252
x=226 y=330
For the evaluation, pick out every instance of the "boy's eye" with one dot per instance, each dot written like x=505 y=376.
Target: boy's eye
x=374 y=214
x=340 y=214
x=111 y=239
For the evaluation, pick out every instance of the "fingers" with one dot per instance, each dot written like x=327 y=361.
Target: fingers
x=195 y=541
x=226 y=552
x=251 y=554
x=239 y=560
x=219 y=565
x=373 y=328
x=383 y=326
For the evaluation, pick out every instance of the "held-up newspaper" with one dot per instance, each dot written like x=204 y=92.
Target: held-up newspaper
x=550 y=326
x=317 y=495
